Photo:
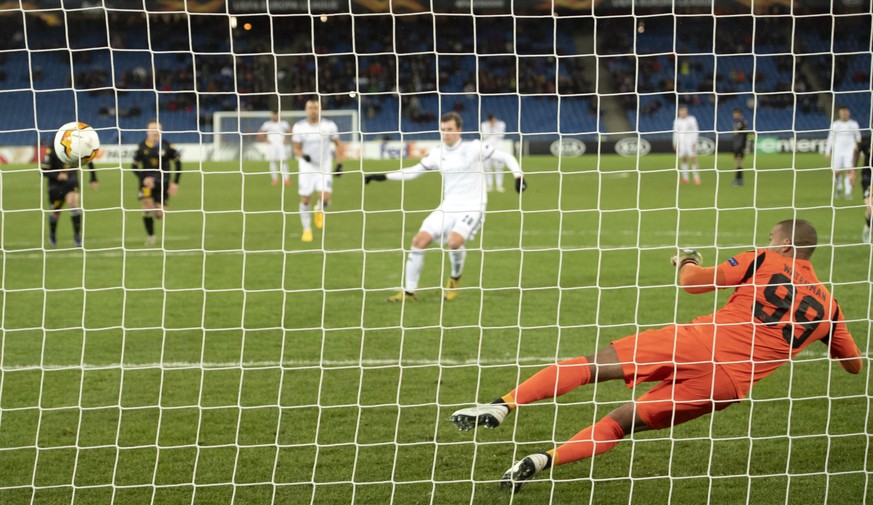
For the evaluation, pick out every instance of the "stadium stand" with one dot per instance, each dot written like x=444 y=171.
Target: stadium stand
x=542 y=88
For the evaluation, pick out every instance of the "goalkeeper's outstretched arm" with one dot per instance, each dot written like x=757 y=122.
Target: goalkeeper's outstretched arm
x=694 y=278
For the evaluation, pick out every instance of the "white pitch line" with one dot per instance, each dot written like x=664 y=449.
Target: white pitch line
x=35 y=253
x=330 y=363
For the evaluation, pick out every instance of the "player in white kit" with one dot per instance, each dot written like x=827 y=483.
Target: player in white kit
x=275 y=132
x=313 y=140
x=685 y=136
x=462 y=210
x=493 y=130
x=840 y=150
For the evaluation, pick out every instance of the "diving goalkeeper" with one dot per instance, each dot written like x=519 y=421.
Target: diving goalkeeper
x=778 y=308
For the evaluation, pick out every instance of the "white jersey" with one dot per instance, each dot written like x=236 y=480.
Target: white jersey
x=275 y=131
x=685 y=131
x=492 y=134
x=463 y=174
x=843 y=138
x=317 y=142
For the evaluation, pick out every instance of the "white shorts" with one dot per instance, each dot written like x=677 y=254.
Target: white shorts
x=310 y=182
x=841 y=161
x=440 y=224
x=684 y=149
x=276 y=152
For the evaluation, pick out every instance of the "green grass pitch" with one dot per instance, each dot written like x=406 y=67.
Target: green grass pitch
x=234 y=362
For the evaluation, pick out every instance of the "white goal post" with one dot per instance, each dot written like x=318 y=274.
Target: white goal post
x=235 y=133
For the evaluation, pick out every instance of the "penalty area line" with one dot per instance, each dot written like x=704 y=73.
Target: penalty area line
x=333 y=363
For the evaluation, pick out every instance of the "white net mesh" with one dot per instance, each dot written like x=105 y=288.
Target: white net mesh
x=231 y=361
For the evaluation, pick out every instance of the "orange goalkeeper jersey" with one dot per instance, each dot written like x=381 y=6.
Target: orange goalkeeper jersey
x=778 y=308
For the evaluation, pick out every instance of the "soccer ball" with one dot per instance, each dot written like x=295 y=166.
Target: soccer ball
x=76 y=142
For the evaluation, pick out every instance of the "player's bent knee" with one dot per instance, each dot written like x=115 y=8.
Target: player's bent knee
x=628 y=418
x=421 y=240
x=605 y=365
x=456 y=241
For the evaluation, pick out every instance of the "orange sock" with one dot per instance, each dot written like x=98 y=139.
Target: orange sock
x=551 y=381
x=597 y=439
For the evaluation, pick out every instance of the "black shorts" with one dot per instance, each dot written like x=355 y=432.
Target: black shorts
x=865 y=179
x=57 y=193
x=158 y=194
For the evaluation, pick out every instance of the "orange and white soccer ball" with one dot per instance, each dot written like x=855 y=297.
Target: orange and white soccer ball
x=76 y=142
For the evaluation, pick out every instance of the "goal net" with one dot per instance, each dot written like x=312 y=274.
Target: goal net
x=234 y=358
x=235 y=132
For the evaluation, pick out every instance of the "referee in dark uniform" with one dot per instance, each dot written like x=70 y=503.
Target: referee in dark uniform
x=741 y=138
x=862 y=150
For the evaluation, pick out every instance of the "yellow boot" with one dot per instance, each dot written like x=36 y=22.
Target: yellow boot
x=451 y=291
x=401 y=296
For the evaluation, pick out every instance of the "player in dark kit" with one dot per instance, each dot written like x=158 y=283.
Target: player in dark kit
x=63 y=188
x=741 y=137
x=862 y=151
x=152 y=166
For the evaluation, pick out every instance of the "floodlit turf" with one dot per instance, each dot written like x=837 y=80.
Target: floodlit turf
x=233 y=353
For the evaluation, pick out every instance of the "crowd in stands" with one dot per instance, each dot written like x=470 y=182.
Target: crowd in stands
x=202 y=63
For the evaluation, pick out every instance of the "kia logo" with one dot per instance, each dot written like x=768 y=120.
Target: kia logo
x=568 y=148
x=632 y=147
x=705 y=146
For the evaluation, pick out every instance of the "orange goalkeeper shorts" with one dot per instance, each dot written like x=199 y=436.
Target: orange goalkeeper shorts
x=690 y=383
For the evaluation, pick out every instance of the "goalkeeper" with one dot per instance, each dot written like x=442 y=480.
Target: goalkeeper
x=462 y=210
x=778 y=308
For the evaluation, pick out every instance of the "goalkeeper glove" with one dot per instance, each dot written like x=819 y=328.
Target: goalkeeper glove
x=520 y=185
x=374 y=178
x=308 y=158
x=338 y=170
x=685 y=256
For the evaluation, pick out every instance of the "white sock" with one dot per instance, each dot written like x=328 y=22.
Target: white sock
x=305 y=216
x=848 y=187
x=684 y=171
x=489 y=175
x=694 y=171
x=414 y=262
x=284 y=167
x=273 y=173
x=457 y=257
x=498 y=178
x=838 y=181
